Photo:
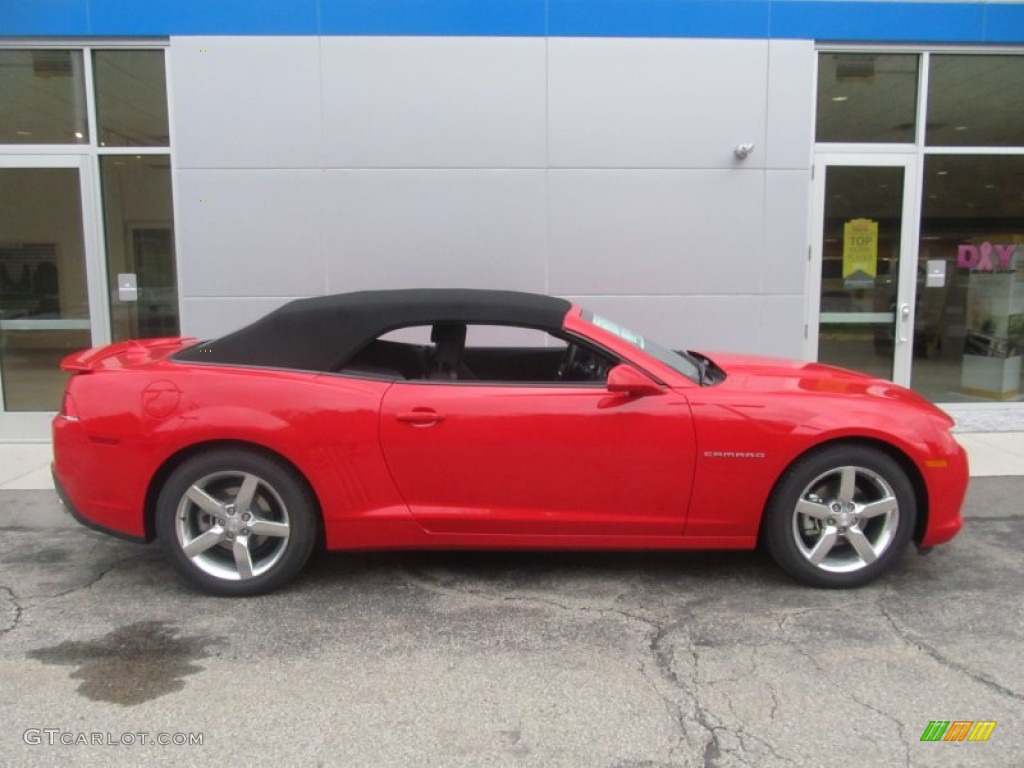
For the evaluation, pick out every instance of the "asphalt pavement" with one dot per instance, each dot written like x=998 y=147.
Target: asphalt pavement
x=508 y=659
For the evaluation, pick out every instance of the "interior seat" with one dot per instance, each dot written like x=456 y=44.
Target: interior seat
x=449 y=340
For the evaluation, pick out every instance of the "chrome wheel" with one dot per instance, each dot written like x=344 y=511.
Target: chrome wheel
x=845 y=519
x=840 y=516
x=232 y=525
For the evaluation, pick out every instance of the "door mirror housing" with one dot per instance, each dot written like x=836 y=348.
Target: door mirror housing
x=627 y=380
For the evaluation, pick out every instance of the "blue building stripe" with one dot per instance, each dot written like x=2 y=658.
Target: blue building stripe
x=44 y=17
x=659 y=18
x=202 y=17
x=1004 y=22
x=838 y=20
x=879 y=21
x=434 y=17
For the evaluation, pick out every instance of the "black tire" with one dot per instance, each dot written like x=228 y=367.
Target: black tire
x=250 y=521
x=813 y=514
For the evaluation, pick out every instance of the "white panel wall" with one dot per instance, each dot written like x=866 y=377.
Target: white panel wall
x=783 y=254
x=207 y=318
x=435 y=229
x=429 y=102
x=598 y=169
x=655 y=103
x=791 y=87
x=248 y=232
x=781 y=324
x=242 y=102
x=655 y=232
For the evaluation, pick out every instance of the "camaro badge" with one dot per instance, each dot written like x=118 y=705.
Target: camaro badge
x=733 y=455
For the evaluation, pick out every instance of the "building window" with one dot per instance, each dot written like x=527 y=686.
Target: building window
x=975 y=101
x=44 y=305
x=969 y=326
x=131 y=98
x=946 y=316
x=43 y=97
x=138 y=223
x=867 y=97
x=64 y=287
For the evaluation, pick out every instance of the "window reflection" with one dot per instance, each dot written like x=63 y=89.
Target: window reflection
x=139 y=228
x=867 y=97
x=859 y=284
x=44 y=310
x=42 y=93
x=969 y=325
x=131 y=98
x=976 y=101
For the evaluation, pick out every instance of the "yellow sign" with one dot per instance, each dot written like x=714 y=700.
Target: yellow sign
x=860 y=247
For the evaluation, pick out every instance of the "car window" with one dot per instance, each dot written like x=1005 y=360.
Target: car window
x=481 y=336
x=473 y=353
x=683 y=362
x=510 y=336
x=416 y=334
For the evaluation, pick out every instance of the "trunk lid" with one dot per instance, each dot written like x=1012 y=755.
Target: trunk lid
x=124 y=354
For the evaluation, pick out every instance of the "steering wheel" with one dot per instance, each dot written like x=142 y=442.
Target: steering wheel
x=570 y=360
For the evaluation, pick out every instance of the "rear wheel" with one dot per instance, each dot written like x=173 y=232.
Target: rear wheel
x=236 y=522
x=841 y=517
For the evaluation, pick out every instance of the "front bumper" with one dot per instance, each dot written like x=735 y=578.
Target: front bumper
x=947 y=487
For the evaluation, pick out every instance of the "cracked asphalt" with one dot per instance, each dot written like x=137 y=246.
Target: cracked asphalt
x=510 y=659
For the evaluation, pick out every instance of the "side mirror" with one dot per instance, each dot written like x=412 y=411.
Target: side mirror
x=627 y=380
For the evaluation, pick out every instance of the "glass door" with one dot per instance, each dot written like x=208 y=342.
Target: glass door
x=86 y=215
x=47 y=304
x=864 y=263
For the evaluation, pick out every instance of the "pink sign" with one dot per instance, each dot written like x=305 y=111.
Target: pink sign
x=980 y=256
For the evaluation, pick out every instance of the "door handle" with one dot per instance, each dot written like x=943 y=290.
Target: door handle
x=902 y=322
x=423 y=417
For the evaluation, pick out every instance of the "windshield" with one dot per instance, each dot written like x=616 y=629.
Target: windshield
x=682 y=362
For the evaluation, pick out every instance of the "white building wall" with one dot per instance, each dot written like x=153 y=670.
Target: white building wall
x=597 y=169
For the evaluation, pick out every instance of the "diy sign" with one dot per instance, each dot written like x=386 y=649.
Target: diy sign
x=980 y=257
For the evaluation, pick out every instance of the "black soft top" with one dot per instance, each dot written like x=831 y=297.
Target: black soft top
x=322 y=333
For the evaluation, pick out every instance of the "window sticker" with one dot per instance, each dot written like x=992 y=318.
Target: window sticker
x=623 y=333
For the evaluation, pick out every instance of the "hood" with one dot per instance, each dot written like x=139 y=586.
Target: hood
x=755 y=373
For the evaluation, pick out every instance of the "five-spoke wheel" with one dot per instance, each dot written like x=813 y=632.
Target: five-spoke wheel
x=840 y=516
x=236 y=522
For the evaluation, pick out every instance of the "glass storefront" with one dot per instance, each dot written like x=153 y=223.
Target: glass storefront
x=969 y=327
x=138 y=223
x=858 y=314
x=43 y=97
x=86 y=223
x=45 y=306
x=867 y=97
x=131 y=98
x=925 y=288
x=975 y=101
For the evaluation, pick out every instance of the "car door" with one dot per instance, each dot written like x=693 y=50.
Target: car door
x=539 y=459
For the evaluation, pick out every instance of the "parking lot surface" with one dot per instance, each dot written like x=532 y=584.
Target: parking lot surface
x=509 y=659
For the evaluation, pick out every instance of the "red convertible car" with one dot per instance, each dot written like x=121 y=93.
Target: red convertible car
x=491 y=419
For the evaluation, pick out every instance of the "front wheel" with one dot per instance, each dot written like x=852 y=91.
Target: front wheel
x=840 y=517
x=236 y=522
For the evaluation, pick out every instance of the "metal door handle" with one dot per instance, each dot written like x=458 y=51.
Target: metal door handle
x=902 y=322
x=421 y=416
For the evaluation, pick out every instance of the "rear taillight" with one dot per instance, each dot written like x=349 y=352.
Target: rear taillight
x=68 y=408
